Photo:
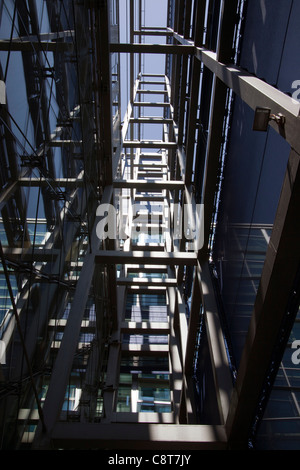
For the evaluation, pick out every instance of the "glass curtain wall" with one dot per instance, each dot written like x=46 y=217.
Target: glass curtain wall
x=253 y=174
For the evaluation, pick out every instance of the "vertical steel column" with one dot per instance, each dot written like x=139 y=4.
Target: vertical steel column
x=217 y=110
x=63 y=364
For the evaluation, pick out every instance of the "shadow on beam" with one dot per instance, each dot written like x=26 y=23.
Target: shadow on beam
x=138 y=436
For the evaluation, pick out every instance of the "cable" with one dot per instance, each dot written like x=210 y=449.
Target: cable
x=11 y=34
x=284 y=41
x=40 y=411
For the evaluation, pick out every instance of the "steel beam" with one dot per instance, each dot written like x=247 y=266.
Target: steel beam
x=7 y=192
x=150 y=104
x=219 y=357
x=191 y=120
x=143 y=281
x=152 y=92
x=51 y=36
x=63 y=364
x=138 y=436
x=175 y=364
x=153 y=33
x=153 y=350
x=145 y=327
x=144 y=185
x=31 y=254
x=152 y=49
x=56 y=183
x=104 y=63
x=145 y=257
x=143 y=417
x=212 y=163
x=32 y=46
x=253 y=91
x=149 y=144
x=151 y=120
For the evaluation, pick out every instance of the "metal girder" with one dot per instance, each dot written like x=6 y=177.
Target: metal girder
x=227 y=22
x=145 y=257
x=151 y=120
x=152 y=92
x=153 y=350
x=145 y=185
x=57 y=182
x=150 y=104
x=152 y=48
x=64 y=361
x=191 y=121
x=199 y=21
x=212 y=158
x=33 y=46
x=253 y=91
x=157 y=32
x=102 y=22
x=143 y=417
x=138 y=436
x=30 y=254
x=39 y=322
x=145 y=327
x=176 y=369
x=140 y=281
x=149 y=144
x=7 y=193
x=127 y=119
x=219 y=358
x=51 y=36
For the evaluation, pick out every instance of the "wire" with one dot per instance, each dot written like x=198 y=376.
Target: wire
x=26 y=357
x=284 y=41
x=11 y=34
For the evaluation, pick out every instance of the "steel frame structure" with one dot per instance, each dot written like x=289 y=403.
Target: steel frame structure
x=130 y=173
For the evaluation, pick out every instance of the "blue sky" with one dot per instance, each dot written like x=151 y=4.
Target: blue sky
x=155 y=14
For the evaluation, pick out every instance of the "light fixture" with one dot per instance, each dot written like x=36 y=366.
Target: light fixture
x=262 y=117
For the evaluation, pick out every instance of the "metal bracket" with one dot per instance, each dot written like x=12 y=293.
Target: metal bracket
x=263 y=116
x=279 y=118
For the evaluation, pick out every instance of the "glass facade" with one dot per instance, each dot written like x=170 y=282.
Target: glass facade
x=253 y=177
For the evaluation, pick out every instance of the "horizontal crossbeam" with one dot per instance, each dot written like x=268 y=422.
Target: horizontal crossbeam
x=149 y=185
x=146 y=257
x=139 y=436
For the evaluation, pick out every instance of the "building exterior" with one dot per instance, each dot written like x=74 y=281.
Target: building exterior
x=149 y=225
